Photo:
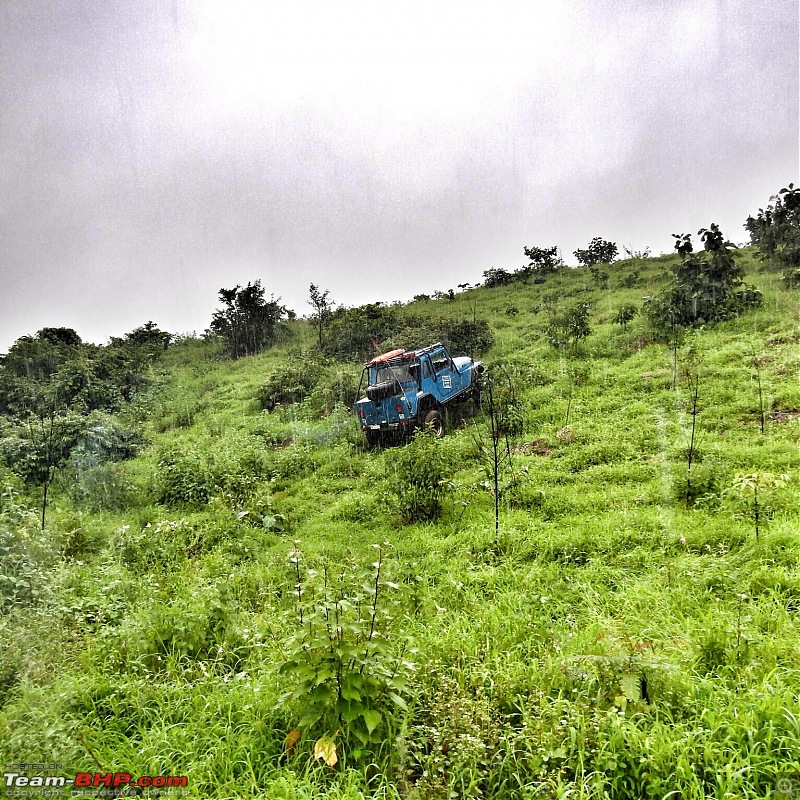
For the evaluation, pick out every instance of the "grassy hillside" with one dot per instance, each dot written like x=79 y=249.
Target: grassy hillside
x=624 y=634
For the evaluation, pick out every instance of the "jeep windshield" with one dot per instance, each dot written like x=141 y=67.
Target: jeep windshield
x=402 y=373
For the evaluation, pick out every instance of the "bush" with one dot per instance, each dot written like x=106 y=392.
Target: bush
x=422 y=470
x=568 y=326
x=473 y=337
x=289 y=383
x=599 y=251
x=151 y=547
x=184 y=478
x=352 y=331
x=197 y=627
x=337 y=386
x=27 y=554
x=104 y=438
x=105 y=487
x=706 y=287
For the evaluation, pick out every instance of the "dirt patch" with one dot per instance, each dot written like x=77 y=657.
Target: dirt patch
x=537 y=447
x=781 y=415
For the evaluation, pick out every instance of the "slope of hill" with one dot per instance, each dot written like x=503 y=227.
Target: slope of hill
x=255 y=594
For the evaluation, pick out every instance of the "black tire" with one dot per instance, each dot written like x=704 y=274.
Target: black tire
x=435 y=421
x=380 y=391
x=374 y=439
x=476 y=397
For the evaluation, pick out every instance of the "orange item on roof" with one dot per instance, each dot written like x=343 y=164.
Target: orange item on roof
x=386 y=356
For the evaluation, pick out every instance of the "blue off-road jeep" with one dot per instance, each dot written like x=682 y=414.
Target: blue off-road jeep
x=410 y=389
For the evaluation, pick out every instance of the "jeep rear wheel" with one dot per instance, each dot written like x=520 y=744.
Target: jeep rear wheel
x=434 y=421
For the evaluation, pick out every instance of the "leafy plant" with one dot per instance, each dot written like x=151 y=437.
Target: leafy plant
x=346 y=657
x=504 y=419
x=323 y=306
x=776 y=232
x=543 y=260
x=421 y=478
x=289 y=383
x=568 y=327
x=753 y=491
x=599 y=251
x=496 y=276
x=247 y=322
x=624 y=315
x=705 y=288
x=184 y=478
x=600 y=277
x=27 y=555
x=630 y=280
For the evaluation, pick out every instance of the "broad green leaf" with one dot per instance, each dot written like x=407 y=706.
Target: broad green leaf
x=348 y=711
x=631 y=686
x=372 y=718
x=398 y=701
x=350 y=693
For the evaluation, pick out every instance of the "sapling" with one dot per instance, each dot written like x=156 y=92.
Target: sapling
x=503 y=420
x=625 y=314
x=757 y=365
x=694 y=385
x=752 y=490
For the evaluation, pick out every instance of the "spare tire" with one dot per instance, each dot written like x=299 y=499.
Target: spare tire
x=380 y=391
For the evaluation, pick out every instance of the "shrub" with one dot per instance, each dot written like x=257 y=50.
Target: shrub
x=421 y=472
x=183 y=478
x=352 y=331
x=568 y=326
x=496 y=277
x=599 y=251
x=625 y=314
x=105 y=487
x=151 y=547
x=337 y=387
x=104 y=438
x=27 y=554
x=200 y=626
x=346 y=659
x=776 y=232
x=289 y=383
x=473 y=337
x=705 y=287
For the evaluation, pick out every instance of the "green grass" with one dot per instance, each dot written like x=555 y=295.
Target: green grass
x=612 y=642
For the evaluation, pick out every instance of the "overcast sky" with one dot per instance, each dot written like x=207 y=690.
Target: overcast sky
x=152 y=152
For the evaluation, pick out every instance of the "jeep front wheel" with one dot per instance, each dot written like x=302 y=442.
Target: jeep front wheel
x=434 y=421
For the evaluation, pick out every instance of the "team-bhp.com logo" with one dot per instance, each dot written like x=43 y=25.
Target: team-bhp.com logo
x=90 y=781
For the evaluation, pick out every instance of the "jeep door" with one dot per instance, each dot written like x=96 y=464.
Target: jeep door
x=448 y=378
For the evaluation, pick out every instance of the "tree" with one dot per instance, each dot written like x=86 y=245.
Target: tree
x=49 y=385
x=568 y=326
x=247 y=322
x=599 y=251
x=543 y=260
x=323 y=307
x=40 y=382
x=497 y=277
x=625 y=314
x=148 y=336
x=706 y=287
x=353 y=332
x=776 y=232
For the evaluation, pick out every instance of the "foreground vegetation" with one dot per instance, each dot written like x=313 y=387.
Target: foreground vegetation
x=257 y=602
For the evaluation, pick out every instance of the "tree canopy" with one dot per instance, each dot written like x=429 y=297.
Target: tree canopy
x=247 y=322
